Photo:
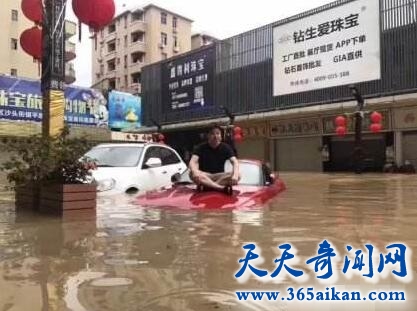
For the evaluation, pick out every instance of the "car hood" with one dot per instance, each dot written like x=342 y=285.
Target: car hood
x=187 y=197
x=102 y=173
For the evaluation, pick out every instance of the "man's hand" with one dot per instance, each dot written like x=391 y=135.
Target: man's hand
x=235 y=179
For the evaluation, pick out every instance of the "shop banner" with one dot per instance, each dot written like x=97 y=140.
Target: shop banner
x=124 y=111
x=21 y=100
x=187 y=82
x=338 y=46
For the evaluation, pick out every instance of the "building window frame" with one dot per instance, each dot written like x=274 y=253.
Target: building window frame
x=13 y=44
x=15 y=15
x=164 y=18
x=164 y=39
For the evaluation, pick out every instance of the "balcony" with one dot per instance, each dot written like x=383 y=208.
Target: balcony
x=70 y=29
x=69 y=73
x=138 y=46
x=137 y=25
x=136 y=67
x=135 y=88
x=69 y=51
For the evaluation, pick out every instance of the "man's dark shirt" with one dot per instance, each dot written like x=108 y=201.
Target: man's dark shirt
x=212 y=160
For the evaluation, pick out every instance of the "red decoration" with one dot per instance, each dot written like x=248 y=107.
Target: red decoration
x=161 y=137
x=33 y=10
x=94 y=13
x=376 y=117
x=341 y=131
x=340 y=121
x=238 y=138
x=237 y=130
x=31 y=42
x=376 y=127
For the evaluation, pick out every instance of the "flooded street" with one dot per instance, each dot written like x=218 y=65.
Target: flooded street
x=132 y=258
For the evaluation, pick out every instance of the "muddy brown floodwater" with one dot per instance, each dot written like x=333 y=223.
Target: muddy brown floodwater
x=131 y=258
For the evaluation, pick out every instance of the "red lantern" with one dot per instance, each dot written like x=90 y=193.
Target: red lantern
x=237 y=130
x=31 y=42
x=94 y=13
x=33 y=10
x=238 y=138
x=376 y=127
x=340 y=121
x=376 y=117
x=341 y=131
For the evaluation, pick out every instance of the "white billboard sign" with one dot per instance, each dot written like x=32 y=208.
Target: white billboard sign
x=335 y=47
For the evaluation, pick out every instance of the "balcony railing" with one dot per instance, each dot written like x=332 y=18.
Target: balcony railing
x=69 y=51
x=69 y=73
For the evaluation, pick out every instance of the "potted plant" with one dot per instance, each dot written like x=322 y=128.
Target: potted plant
x=51 y=173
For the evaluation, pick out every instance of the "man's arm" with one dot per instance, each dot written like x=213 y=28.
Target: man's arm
x=193 y=165
x=235 y=174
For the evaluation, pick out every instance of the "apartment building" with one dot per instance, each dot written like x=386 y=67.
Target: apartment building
x=201 y=39
x=13 y=60
x=136 y=38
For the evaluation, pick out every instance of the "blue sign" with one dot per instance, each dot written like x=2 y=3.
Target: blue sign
x=124 y=111
x=21 y=99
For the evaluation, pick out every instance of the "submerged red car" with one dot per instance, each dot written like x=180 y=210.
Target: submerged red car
x=257 y=185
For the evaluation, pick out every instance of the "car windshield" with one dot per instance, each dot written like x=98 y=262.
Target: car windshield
x=251 y=174
x=115 y=156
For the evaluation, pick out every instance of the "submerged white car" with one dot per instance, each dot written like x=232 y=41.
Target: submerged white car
x=134 y=167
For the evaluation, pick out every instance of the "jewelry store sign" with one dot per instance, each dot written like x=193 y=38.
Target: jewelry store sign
x=303 y=127
x=338 y=46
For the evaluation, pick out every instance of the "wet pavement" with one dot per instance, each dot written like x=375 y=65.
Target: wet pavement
x=131 y=258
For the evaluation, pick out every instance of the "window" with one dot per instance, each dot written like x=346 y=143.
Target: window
x=111 y=46
x=164 y=39
x=137 y=36
x=111 y=65
x=175 y=41
x=137 y=57
x=163 y=18
x=112 y=84
x=136 y=77
x=174 y=22
x=119 y=156
x=125 y=61
x=126 y=81
x=125 y=41
x=118 y=42
x=15 y=15
x=168 y=157
x=118 y=61
x=13 y=44
x=112 y=28
x=125 y=21
x=13 y=72
x=137 y=16
x=101 y=69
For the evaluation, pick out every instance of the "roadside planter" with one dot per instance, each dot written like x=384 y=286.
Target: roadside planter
x=51 y=174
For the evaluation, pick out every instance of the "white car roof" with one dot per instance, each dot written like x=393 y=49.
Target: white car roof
x=142 y=144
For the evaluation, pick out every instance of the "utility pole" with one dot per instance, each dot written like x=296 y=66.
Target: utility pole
x=53 y=67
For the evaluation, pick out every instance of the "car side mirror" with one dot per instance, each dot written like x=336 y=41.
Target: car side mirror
x=153 y=162
x=270 y=179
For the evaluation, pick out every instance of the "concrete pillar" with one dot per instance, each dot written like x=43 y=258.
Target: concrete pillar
x=272 y=159
x=398 y=147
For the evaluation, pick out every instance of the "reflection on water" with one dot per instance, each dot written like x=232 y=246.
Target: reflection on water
x=131 y=258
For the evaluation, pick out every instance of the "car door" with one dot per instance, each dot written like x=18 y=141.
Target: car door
x=153 y=177
x=171 y=162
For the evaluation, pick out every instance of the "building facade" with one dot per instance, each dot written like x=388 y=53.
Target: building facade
x=201 y=39
x=287 y=81
x=13 y=60
x=135 y=38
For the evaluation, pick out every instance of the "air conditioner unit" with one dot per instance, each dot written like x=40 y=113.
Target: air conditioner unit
x=176 y=49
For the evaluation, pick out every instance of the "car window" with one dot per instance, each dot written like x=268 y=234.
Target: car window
x=251 y=173
x=168 y=157
x=151 y=152
x=116 y=156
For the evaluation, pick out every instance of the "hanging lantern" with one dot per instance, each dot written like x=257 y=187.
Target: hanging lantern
x=94 y=13
x=340 y=121
x=376 y=117
x=237 y=130
x=238 y=138
x=341 y=131
x=31 y=42
x=33 y=10
x=376 y=127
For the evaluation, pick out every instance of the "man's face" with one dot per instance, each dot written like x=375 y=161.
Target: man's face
x=214 y=137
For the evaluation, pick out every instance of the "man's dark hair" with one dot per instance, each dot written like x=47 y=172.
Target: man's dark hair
x=214 y=127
